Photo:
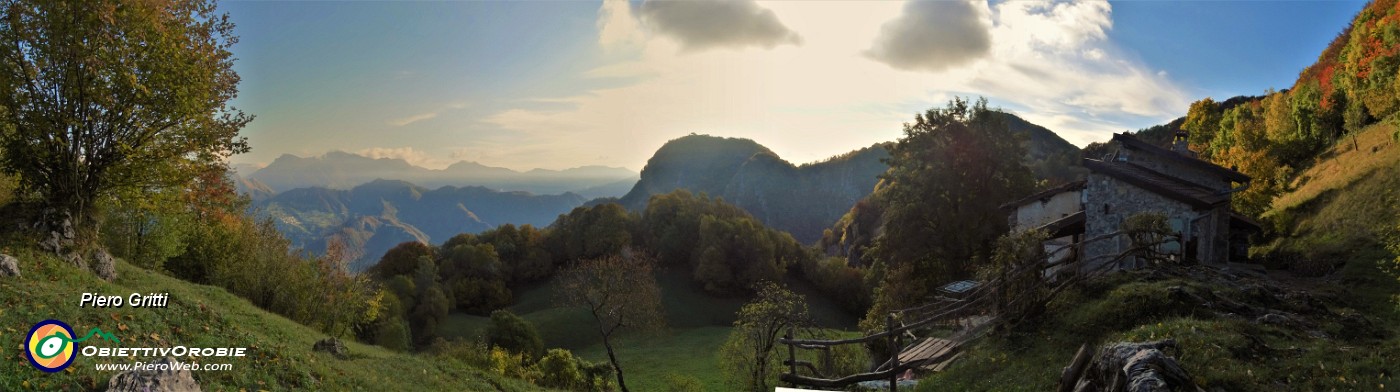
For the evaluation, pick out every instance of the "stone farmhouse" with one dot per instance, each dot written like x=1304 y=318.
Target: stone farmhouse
x=1137 y=177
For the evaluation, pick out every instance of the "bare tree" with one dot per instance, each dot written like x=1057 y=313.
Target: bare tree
x=620 y=292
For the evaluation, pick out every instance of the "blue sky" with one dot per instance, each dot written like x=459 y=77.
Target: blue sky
x=557 y=84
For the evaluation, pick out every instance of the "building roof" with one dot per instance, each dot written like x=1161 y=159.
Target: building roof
x=959 y=287
x=1171 y=187
x=1045 y=194
x=1133 y=142
x=1069 y=225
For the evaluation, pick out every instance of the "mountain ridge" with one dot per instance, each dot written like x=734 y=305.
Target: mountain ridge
x=345 y=170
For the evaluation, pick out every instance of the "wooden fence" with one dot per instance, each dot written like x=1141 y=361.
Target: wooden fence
x=989 y=299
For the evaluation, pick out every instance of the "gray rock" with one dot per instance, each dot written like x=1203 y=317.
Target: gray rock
x=162 y=379
x=334 y=346
x=1135 y=367
x=53 y=242
x=104 y=265
x=1273 y=318
x=76 y=260
x=9 y=266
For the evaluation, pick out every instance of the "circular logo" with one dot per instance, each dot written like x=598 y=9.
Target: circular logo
x=50 y=346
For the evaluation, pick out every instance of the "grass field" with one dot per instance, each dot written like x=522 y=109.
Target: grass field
x=697 y=324
x=279 y=350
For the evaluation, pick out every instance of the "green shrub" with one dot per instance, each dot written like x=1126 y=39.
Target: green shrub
x=559 y=369
x=514 y=334
x=513 y=365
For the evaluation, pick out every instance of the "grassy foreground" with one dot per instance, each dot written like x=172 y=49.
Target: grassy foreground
x=279 y=350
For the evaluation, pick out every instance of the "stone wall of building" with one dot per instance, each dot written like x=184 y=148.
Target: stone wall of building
x=1122 y=200
x=1037 y=213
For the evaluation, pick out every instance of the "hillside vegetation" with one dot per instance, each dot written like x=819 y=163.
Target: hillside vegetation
x=279 y=350
x=1340 y=332
x=800 y=200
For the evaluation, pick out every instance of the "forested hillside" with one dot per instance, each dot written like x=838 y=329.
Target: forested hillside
x=807 y=199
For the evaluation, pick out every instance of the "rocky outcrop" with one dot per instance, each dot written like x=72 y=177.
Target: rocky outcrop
x=166 y=376
x=333 y=346
x=9 y=266
x=104 y=265
x=1127 y=367
x=59 y=230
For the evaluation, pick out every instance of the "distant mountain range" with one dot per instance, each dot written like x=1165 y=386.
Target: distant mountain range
x=343 y=170
x=314 y=200
x=373 y=217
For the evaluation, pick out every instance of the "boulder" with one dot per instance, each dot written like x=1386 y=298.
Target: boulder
x=9 y=266
x=334 y=346
x=162 y=379
x=1273 y=318
x=1126 y=366
x=104 y=265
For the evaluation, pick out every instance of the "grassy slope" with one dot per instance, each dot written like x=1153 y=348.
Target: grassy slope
x=1338 y=209
x=280 y=355
x=697 y=325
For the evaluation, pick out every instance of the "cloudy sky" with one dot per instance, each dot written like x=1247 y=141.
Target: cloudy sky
x=559 y=84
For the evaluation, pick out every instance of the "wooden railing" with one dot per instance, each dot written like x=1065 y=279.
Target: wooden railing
x=985 y=299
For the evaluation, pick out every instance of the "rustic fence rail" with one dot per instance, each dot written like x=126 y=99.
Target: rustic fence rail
x=987 y=299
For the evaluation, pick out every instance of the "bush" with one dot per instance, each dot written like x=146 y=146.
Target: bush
x=513 y=365
x=559 y=369
x=514 y=334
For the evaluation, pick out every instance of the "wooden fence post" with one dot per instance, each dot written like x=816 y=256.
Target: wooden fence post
x=792 y=352
x=894 y=351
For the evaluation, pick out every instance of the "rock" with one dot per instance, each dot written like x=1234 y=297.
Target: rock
x=53 y=242
x=334 y=346
x=76 y=260
x=1151 y=370
x=9 y=266
x=161 y=379
x=104 y=265
x=1135 y=367
x=1274 y=318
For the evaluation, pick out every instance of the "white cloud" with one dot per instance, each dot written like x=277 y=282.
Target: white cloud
x=934 y=35
x=698 y=25
x=616 y=25
x=399 y=122
x=402 y=121
x=1053 y=63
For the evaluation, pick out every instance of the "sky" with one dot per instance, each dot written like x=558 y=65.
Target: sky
x=560 y=84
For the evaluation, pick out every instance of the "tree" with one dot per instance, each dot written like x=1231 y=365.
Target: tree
x=1202 y=122
x=514 y=334
x=104 y=96
x=948 y=176
x=402 y=259
x=620 y=292
x=747 y=355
